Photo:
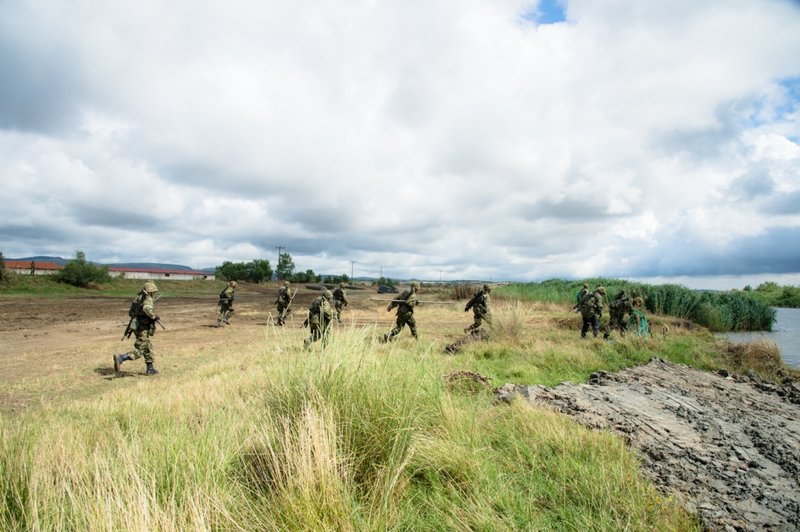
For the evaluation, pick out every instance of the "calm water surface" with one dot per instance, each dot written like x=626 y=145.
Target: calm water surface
x=786 y=333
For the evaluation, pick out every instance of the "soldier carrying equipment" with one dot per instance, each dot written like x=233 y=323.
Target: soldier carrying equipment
x=284 y=301
x=226 y=303
x=480 y=309
x=143 y=325
x=405 y=312
x=591 y=308
x=320 y=316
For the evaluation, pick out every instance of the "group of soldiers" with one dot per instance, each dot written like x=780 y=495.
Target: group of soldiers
x=327 y=308
x=623 y=310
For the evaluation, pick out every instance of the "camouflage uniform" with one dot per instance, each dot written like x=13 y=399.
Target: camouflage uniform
x=480 y=309
x=618 y=311
x=579 y=295
x=591 y=308
x=283 y=302
x=320 y=315
x=339 y=300
x=405 y=304
x=226 y=303
x=144 y=327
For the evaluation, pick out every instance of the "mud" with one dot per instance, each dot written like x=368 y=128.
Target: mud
x=727 y=446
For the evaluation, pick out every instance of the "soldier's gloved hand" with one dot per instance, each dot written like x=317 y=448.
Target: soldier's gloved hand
x=388 y=308
x=466 y=309
x=156 y=318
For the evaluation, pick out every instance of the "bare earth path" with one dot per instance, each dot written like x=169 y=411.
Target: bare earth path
x=731 y=448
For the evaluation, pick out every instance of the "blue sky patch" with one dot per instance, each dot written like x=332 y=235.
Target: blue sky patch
x=547 y=12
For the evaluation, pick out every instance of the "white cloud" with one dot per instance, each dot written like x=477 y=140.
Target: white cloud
x=419 y=136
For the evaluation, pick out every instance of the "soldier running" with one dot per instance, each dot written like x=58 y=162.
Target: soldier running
x=339 y=300
x=143 y=325
x=405 y=304
x=480 y=309
x=283 y=302
x=226 y=303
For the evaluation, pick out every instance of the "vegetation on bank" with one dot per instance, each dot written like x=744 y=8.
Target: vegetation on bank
x=772 y=294
x=718 y=311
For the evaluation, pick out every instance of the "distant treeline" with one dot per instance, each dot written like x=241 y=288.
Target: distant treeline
x=719 y=311
x=774 y=295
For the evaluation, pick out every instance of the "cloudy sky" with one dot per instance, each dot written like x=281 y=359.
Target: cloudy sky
x=438 y=139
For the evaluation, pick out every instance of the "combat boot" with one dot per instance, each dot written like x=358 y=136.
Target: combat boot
x=119 y=359
x=150 y=369
x=219 y=324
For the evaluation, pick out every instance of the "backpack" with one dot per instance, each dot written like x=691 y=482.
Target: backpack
x=136 y=306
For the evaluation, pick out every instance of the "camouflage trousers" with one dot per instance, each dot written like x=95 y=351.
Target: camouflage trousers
x=283 y=312
x=479 y=317
x=403 y=319
x=337 y=309
x=143 y=346
x=318 y=331
x=225 y=310
x=616 y=322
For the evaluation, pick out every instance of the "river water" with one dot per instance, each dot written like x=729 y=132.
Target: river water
x=785 y=333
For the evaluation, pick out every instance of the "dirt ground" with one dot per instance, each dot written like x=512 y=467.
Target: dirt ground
x=730 y=446
x=48 y=346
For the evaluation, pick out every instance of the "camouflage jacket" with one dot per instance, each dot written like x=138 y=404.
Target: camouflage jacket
x=591 y=304
x=405 y=302
x=320 y=311
x=340 y=296
x=226 y=296
x=284 y=296
x=479 y=303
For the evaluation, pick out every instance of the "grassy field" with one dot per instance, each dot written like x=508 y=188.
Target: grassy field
x=360 y=435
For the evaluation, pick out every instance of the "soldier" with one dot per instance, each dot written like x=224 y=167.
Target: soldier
x=405 y=304
x=283 y=302
x=591 y=308
x=339 y=300
x=143 y=325
x=320 y=315
x=480 y=309
x=618 y=311
x=226 y=303
x=579 y=295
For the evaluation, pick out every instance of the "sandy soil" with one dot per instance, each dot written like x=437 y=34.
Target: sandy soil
x=52 y=349
x=729 y=445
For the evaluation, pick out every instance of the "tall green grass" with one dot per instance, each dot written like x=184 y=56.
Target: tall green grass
x=719 y=311
x=356 y=436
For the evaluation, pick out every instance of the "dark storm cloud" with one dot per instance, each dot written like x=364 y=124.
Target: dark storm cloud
x=776 y=251
x=38 y=91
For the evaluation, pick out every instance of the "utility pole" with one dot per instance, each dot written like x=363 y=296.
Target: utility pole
x=351 y=269
x=279 y=248
x=381 y=270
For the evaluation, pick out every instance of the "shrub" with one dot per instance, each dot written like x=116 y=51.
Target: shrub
x=79 y=272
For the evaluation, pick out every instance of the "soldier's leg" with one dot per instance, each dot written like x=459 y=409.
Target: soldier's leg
x=585 y=327
x=595 y=325
x=398 y=326
x=412 y=325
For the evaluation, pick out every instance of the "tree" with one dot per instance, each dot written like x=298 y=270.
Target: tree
x=79 y=272
x=285 y=267
x=255 y=271
x=336 y=279
x=3 y=273
x=305 y=277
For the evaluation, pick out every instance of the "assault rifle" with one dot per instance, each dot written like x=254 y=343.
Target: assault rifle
x=419 y=301
x=129 y=329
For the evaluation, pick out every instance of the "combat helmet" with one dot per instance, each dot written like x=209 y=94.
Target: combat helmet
x=486 y=288
x=232 y=283
x=327 y=294
x=601 y=290
x=150 y=287
x=415 y=285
